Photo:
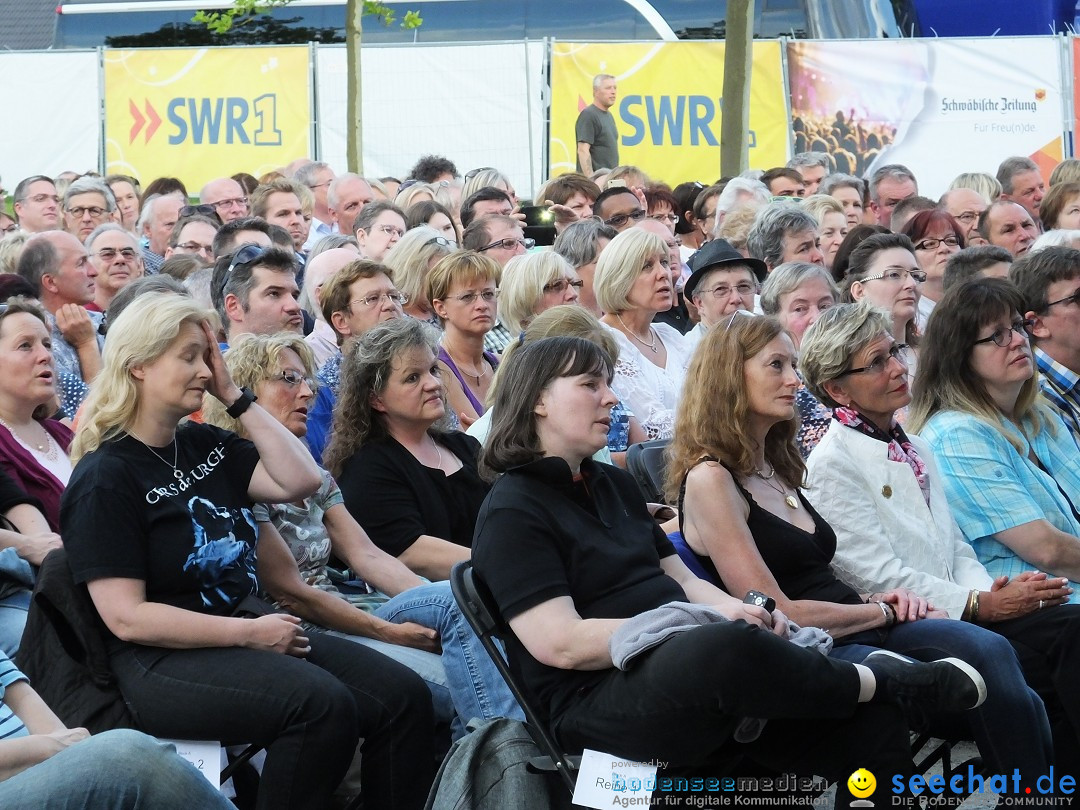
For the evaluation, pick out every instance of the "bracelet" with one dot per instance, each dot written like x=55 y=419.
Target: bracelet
x=888 y=612
x=969 y=606
x=974 y=606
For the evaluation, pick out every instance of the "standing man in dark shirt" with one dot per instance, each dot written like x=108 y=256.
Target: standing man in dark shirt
x=597 y=138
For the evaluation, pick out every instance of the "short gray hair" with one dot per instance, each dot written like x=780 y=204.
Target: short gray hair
x=600 y=78
x=832 y=182
x=787 y=278
x=892 y=171
x=305 y=175
x=332 y=189
x=823 y=159
x=86 y=185
x=757 y=190
x=105 y=227
x=1012 y=166
x=1058 y=237
x=579 y=243
x=828 y=346
x=766 y=238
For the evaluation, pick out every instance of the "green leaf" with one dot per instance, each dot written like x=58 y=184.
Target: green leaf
x=244 y=11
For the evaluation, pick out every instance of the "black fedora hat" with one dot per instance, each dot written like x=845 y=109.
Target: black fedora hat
x=715 y=254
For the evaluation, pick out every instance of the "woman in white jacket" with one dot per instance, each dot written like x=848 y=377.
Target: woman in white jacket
x=881 y=491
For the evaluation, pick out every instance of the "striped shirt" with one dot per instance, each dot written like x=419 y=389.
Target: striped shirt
x=10 y=724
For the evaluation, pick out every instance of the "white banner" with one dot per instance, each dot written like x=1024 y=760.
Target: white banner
x=53 y=120
x=938 y=106
x=478 y=105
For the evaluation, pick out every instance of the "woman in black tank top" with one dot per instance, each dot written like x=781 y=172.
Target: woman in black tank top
x=738 y=473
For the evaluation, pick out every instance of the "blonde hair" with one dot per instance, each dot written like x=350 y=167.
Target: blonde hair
x=523 y=282
x=981 y=182
x=410 y=260
x=407 y=196
x=736 y=224
x=253 y=360
x=464 y=266
x=818 y=205
x=143 y=333
x=482 y=179
x=565 y=320
x=11 y=248
x=1068 y=171
x=630 y=177
x=620 y=265
x=714 y=412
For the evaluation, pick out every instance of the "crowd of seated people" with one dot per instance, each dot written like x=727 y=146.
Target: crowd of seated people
x=259 y=425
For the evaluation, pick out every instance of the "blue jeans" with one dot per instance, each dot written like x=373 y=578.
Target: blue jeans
x=12 y=621
x=117 y=770
x=428 y=666
x=1010 y=728
x=476 y=687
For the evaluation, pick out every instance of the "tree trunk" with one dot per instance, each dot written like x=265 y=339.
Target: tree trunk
x=354 y=141
x=738 y=55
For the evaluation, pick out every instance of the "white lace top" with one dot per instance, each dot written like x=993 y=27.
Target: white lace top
x=651 y=392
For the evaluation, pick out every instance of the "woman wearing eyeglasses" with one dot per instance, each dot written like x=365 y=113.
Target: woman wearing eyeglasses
x=534 y=283
x=632 y=284
x=463 y=290
x=883 y=494
x=738 y=476
x=936 y=236
x=1010 y=466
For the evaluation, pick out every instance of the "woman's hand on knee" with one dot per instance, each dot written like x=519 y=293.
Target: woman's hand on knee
x=277 y=633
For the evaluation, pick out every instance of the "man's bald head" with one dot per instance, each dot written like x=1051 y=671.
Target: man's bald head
x=320 y=269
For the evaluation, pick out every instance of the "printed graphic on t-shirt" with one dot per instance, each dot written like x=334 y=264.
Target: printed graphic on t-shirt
x=224 y=550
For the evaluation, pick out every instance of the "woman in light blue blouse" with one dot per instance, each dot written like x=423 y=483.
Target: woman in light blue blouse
x=1011 y=469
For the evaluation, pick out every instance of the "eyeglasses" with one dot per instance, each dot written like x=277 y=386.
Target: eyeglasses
x=95 y=211
x=897 y=276
x=391 y=230
x=195 y=247
x=293 y=379
x=441 y=241
x=878 y=364
x=619 y=220
x=205 y=210
x=934 y=244
x=723 y=290
x=245 y=254
x=231 y=202
x=1003 y=337
x=559 y=285
x=10 y=229
x=321 y=185
x=510 y=244
x=40 y=198
x=1068 y=299
x=669 y=218
x=108 y=254
x=469 y=298
x=373 y=300
x=967 y=217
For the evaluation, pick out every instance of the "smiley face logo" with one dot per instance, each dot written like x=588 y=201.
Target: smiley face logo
x=862 y=783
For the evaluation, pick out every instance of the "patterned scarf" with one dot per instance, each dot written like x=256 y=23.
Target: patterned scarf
x=900 y=447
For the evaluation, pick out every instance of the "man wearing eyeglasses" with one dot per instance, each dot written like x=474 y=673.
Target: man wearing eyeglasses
x=356 y=298
x=501 y=238
x=159 y=216
x=88 y=202
x=723 y=281
x=965 y=205
x=115 y=254
x=318 y=177
x=37 y=208
x=619 y=208
x=228 y=198
x=1050 y=283
x=193 y=236
x=254 y=292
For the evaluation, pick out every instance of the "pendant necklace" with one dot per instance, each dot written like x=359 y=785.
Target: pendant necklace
x=177 y=474
x=630 y=332
x=438 y=464
x=790 y=500
x=48 y=449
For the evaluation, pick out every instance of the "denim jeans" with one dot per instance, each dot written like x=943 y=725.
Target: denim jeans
x=12 y=621
x=476 y=686
x=308 y=713
x=117 y=770
x=1010 y=728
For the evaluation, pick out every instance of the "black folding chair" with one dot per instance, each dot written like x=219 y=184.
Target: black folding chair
x=647 y=462
x=479 y=608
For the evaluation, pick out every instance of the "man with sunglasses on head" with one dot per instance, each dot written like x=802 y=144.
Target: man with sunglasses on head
x=227 y=197
x=254 y=291
x=1050 y=283
x=501 y=238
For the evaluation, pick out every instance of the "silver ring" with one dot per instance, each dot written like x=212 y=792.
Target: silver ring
x=1040 y=604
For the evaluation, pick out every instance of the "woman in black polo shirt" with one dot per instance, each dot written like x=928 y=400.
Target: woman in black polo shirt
x=570 y=554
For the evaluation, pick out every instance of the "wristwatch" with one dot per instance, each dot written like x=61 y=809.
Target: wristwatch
x=243 y=402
